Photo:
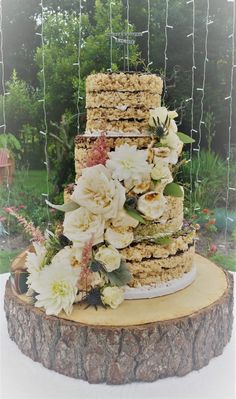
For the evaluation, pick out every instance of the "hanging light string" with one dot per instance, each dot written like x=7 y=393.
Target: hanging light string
x=201 y=121
x=127 y=36
x=230 y=99
x=148 y=33
x=44 y=133
x=3 y=127
x=78 y=64
x=111 y=34
x=167 y=26
x=192 y=34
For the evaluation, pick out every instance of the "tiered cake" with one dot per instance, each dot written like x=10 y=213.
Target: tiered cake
x=123 y=235
x=123 y=239
x=121 y=106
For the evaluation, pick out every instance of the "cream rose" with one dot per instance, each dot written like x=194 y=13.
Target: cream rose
x=112 y=296
x=109 y=257
x=152 y=205
x=119 y=237
x=80 y=225
x=124 y=220
x=161 y=171
x=99 y=193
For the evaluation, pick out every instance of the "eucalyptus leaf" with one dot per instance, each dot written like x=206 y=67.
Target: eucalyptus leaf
x=67 y=207
x=121 y=276
x=185 y=139
x=173 y=190
x=135 y=214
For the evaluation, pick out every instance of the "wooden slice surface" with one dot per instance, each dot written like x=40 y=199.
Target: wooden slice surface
x=142 y=340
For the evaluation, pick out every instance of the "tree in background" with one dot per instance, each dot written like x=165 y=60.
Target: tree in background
x=23 y=52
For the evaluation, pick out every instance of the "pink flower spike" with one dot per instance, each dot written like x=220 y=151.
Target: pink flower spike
x=98 y=154
x=87 y=252
x=29 y=227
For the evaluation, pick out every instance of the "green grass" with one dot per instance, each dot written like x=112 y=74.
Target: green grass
x=32 y=180
x=226 y=261
x=6 y=258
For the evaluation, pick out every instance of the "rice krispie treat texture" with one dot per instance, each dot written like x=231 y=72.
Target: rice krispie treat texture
x=121 y=100
x=154 y=271
x=124 y=82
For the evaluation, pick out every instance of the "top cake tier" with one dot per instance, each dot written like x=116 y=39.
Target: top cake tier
x=119 y=103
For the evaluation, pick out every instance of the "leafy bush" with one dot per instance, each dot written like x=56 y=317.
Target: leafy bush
x=211 y=191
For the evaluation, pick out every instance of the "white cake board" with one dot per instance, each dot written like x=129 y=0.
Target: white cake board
x=166 y=288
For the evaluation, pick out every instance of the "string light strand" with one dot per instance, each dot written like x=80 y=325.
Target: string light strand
x=148 y=33
x=111 y=34
x=230 y=98
x=79 y=67
x=4 y=124
x=192 y=34
x=165 y=49
x=43 y=101
x=202 y=89
x=127 y=38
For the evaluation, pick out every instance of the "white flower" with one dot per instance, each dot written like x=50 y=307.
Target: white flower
x=152 y=205
x=56 y=287
x=80 y=225
x=172 y=141
x=160 y=116
x=119 y=237
x=124 y=220
x=70 y=255
x=35 y=262
x=161 y=171
x=109 y=256
x=129 y=164
x=112 y=296
x=98 y=192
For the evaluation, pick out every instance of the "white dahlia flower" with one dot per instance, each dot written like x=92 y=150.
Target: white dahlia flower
x=127 y=163
x=56 y=286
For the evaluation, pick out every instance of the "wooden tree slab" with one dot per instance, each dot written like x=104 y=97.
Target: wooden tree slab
x=143 y=340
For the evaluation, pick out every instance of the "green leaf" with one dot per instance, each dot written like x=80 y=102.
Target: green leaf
x=159 y=145
x=156 y=181
x=173 y=190
x=185 y=139
x=67 y=207
x=121 y=276
x=135 y=214
x=164 y=240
